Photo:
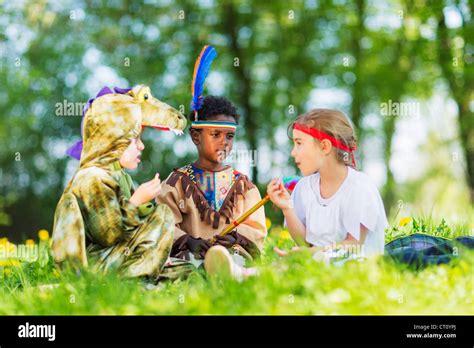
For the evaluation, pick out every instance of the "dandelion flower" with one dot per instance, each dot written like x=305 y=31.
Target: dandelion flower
x=404 y=221
x=284 y=234
x=43 y=235
x=9 y=262
x=10 y=247
x=268 y=222
x=30 y=242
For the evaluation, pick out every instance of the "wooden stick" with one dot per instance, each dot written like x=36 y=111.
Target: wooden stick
x=244 y=216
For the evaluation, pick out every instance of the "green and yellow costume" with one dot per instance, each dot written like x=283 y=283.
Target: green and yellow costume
x=94 y=218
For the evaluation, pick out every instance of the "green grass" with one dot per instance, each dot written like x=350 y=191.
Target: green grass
x=292 y=285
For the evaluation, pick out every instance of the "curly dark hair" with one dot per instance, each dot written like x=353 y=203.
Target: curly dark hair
x=214 y=106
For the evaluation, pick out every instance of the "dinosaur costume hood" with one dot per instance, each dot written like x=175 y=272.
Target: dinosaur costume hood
x=94 y=208
x=112 y=120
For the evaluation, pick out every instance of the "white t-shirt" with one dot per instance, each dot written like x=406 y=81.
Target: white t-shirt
x=327 y=221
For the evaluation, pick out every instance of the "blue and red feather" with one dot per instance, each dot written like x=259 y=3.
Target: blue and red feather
x=201 y=69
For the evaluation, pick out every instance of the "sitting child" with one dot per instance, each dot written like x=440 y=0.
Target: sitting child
x=100 y=215
x=206 y=195
x=333 y=205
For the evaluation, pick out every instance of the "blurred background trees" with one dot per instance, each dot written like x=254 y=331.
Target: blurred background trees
x=276 y=60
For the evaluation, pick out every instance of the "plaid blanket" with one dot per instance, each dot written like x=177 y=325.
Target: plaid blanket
x=420 y=250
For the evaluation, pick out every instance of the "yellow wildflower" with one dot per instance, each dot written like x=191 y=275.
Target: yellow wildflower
x=285 y=234
x=43 y=235
x=9 y=262
x=268 y=222
x=10 y=247
x=30 y=242
x=404 y=221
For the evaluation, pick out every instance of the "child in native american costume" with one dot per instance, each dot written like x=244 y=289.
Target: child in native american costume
x=205 y=196
x=100 y=216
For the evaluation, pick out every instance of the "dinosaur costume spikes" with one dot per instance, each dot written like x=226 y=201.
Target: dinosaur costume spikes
x=136 y=103
x=95 y=218
x=75 y=150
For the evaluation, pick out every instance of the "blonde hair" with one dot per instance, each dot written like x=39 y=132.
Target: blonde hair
x=334 y=123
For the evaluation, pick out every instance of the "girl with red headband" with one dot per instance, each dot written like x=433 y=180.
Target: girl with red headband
x=333 y=206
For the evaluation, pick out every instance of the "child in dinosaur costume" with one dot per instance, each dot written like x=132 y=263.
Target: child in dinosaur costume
x=205 y=196
x=100 y=215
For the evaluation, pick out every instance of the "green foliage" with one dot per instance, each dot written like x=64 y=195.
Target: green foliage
x=273 y=56
x=292 y=285
x=426 y=225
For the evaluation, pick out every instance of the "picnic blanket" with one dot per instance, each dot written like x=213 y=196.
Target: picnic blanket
x=420 y=250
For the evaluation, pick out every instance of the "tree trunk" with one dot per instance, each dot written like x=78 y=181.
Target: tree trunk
x=461 y=85
x=356 y=105
x=244 y=81
x=389 y=191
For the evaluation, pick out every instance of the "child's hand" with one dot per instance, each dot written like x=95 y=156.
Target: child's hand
x=226 y=241
x=184 y=244
x=146 y=191
x=278 y=194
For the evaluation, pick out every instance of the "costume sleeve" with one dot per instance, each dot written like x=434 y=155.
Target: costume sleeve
x=173 y=197
x=110 y=217
x=254 y=228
